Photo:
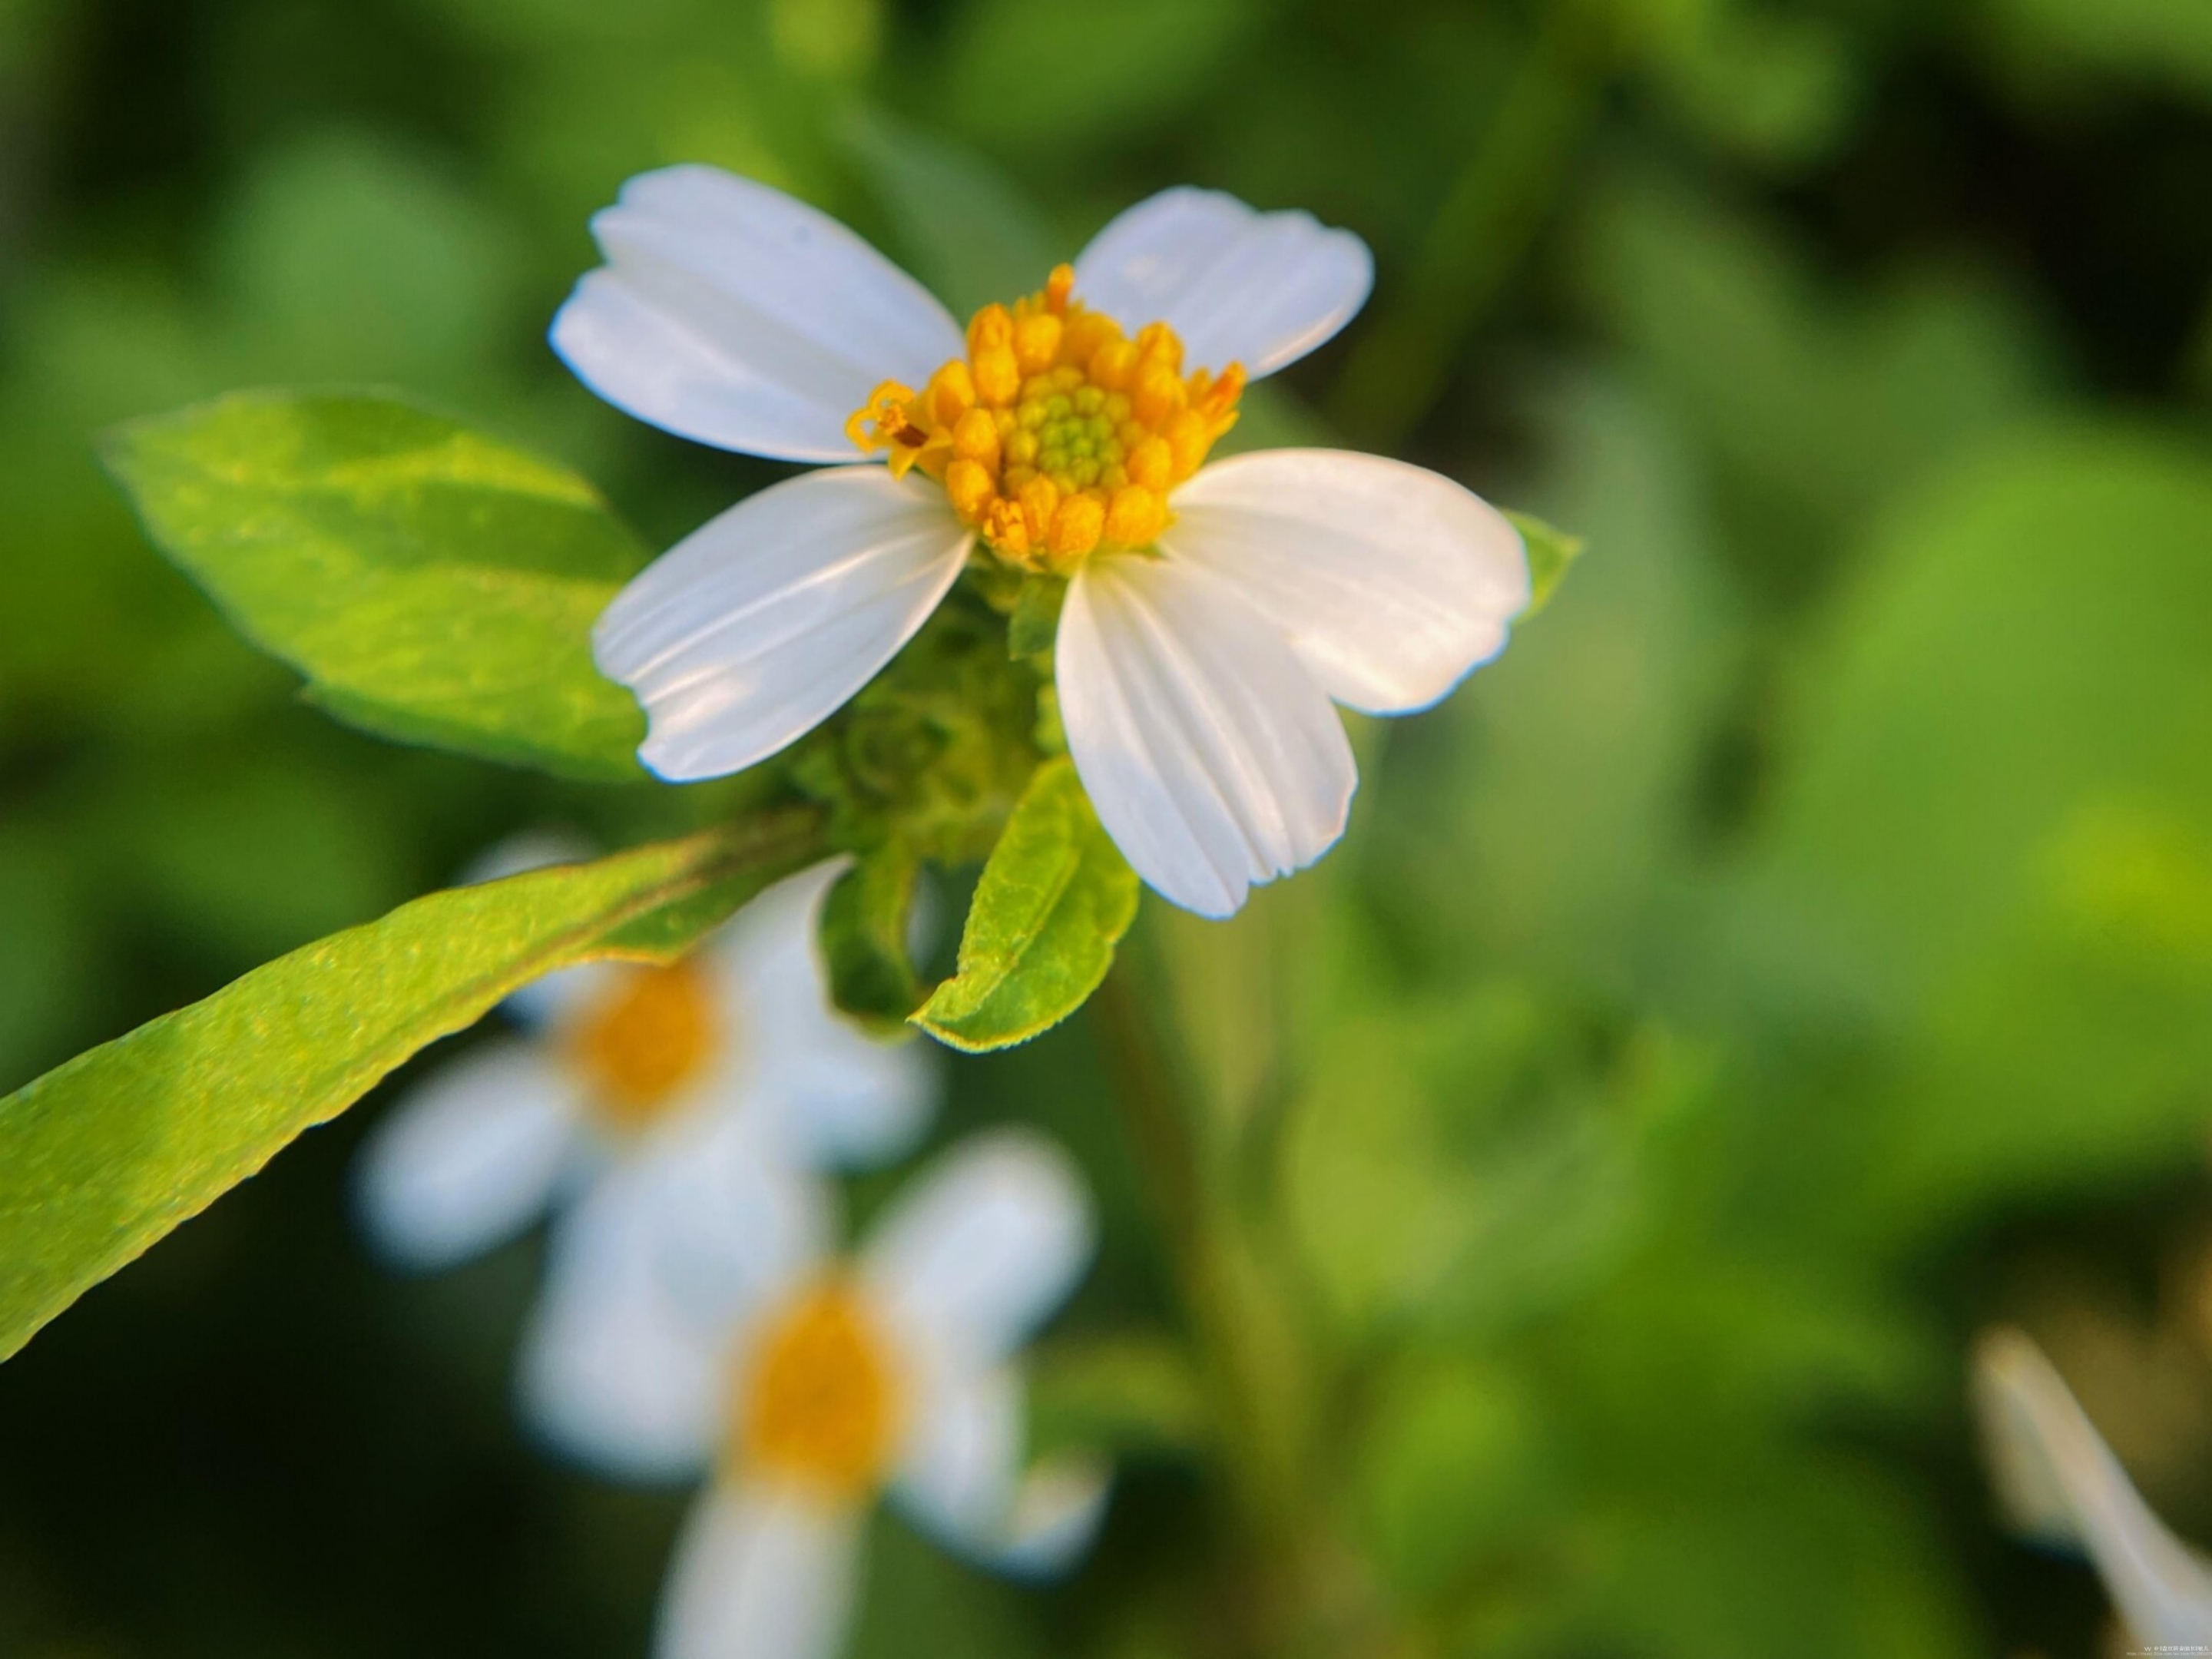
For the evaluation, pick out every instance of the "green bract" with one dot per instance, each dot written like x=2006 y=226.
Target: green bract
x=102 y=1156
x=1055 y=899
x=863 y=931
x=1550 y=552
x=433 y=584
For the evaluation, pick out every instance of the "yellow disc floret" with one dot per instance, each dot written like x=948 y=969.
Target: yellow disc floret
x=648 y=1035
x=821 y=1404
x=1057 y=434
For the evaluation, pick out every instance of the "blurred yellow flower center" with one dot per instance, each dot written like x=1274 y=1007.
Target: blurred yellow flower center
x=651 y=1033
x=820 y=1404
x=1057 y=434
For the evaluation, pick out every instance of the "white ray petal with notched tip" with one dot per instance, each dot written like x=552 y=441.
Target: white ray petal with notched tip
x=1391 y=582
x=969 y=1261
x=961 y=1479
x=2063 y=1488
x=1237 y=284
x=759 y=625
x=762 y=1572
x=470 y=1158
x=733 y=314
x=1214 y=758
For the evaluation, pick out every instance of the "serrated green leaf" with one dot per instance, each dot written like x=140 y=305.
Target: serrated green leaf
x=1055 y=898
x=102 y=1156
x=1550 y=552
x=434 y=585
x=864 y=933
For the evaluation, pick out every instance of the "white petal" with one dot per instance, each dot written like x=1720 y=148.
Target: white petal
x=550 y=1002
x=756 y=627
x=470 y=1158
x=612 y=1373
x=521 y=853
x=1391 y=582
x=1058 y=1511
x=832 y=1096
x=961 y=1479
x=761 y=1573
x=979 y=1250
x=730 y=313
x=1214 y=759
x=2065 y=1486
x=1238 y=285
x=963 y=1458
x=651 y=1285
x=735 y=1219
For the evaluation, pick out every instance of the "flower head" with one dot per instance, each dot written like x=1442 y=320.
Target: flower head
x=2061 y=1486
x=1056 y=435
x=806 y=1384
x=616 y=1059
x=1215 y=610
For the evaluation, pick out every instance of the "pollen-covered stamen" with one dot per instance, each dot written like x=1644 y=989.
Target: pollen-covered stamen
x=1057 y=434
x=652 y=1032
x=823 y=1399
x=882 y=423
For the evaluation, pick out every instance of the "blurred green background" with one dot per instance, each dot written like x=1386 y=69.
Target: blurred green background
x=1794 y=954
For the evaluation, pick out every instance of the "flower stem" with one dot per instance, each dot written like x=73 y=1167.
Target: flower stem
x=1482 y=228
x=1247 y=1349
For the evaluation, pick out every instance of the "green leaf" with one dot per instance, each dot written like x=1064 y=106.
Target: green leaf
x=1989 y=836
x=1124 y=1395
x=1053 y=77
x=864 y=933
x=964 y=227
x=1055 y=899
x=434 y=585
x=1550 y=552
x=102 y=1156
x=2167 y=42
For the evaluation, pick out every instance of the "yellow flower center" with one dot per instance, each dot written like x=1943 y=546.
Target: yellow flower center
x=1057 y=434
x=651 y=1032
x=821 y=1402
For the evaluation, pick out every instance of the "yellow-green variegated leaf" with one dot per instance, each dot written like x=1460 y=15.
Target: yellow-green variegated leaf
x=1055 y=899
x=434 y=584
x=104 y=1155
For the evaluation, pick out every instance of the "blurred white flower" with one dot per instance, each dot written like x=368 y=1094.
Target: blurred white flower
x=2061 y=1486
x=734 y=1340
x=731 y=1052
x=1213 y=612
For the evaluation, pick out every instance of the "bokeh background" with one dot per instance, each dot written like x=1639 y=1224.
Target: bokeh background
x=1794 y=954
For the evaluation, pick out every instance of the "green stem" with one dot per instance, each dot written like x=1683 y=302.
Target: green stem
x=1243 y=1346
x=1482 y=229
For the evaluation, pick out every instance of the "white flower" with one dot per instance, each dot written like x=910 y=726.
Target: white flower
x=2061 y=1486
x=810 y=1384
x=731 y=1052
x=1213 y=614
